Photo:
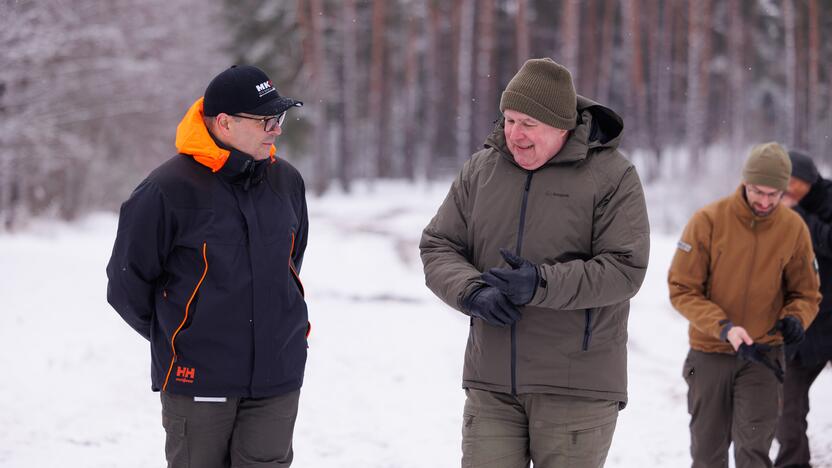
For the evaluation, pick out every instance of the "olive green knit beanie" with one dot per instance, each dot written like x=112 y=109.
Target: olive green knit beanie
x=768 y=165
x=543 y=90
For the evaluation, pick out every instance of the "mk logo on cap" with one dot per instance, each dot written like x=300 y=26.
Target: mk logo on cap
x=264 y=88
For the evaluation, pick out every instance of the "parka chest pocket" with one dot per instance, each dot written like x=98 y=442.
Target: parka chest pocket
x=276 y=219
x=194 y=227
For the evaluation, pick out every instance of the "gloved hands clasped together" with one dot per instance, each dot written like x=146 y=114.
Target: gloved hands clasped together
x=507 y=288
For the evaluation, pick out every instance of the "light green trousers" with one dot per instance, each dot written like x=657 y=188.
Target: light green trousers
x=504 y=431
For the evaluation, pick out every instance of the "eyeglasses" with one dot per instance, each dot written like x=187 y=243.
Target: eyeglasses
x=759 y=193
x=269 y=122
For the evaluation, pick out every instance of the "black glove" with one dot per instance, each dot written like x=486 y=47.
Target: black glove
x=790 y=328
x=489 y=304
x=757 y=353
x=518 y=283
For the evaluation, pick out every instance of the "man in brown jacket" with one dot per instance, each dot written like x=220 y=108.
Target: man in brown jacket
x=542 y=240
x=744 y=275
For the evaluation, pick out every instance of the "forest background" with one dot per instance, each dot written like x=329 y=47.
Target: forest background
x=91 y=92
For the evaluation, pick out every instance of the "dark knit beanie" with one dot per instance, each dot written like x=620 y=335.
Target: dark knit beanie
x=803 y=167
x=768 y=165
x=543 y=90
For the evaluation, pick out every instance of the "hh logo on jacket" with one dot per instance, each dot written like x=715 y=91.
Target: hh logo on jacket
x=185 y=374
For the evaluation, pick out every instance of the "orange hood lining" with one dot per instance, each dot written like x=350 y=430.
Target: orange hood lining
x=192 y=138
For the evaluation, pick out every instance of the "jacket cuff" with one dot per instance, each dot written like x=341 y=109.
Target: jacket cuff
x=727 y=325
x=468 y=293
x=541 y=289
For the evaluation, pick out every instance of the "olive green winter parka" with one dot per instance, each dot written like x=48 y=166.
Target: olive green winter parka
x=583 y=219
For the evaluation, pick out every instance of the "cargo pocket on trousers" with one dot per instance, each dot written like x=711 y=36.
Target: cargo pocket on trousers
x=589 y=442
x=469 y=416
x=176 y=444
x=689 y=374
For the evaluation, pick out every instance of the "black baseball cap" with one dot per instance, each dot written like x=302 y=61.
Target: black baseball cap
x=245 y=88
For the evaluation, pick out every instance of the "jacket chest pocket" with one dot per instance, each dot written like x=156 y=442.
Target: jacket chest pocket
x=195 y=227
x=276 y=219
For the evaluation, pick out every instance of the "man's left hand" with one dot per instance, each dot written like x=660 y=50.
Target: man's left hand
x=791 y=329
x=518 y=283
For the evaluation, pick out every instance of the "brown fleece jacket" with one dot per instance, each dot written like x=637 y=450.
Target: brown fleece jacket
x=734 y=266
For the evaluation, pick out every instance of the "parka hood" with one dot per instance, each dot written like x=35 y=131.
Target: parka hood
x=193 y=138
x=598 y=127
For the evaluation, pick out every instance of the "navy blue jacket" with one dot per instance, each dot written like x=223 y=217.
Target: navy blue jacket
x=205 y=266
x=816 y=210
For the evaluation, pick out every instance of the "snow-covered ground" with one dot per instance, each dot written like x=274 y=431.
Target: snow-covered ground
x=382 y=383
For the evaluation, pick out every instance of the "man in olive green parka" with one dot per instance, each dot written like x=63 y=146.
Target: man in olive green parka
x=542 y=240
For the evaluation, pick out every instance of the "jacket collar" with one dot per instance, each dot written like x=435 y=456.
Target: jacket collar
x=193 y=138
x=816 y=197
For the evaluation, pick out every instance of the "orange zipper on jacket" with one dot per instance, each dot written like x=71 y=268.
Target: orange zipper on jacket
x=300 y=283
x=187 y=310
x=292 y=267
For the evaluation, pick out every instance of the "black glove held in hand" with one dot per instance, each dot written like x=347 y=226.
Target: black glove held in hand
x=518 y=283
x=791 y=329
x=489 y=304
x=757 y=353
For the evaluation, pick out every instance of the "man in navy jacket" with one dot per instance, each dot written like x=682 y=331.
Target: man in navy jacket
x=205 y=266
x=810 y=195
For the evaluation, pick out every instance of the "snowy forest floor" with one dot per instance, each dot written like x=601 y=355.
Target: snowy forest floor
x=382 y=384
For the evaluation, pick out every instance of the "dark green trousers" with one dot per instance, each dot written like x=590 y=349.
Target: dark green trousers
x=240 y=432
x=731 y=400
x=504 y=431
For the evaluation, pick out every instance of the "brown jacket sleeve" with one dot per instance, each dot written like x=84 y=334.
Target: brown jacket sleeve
x=444 y=246
x=801 y=282
x=688 y=278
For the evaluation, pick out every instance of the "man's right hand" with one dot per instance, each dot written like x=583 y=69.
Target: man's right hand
x=738 y=336
x=489 y=304
x=788 y=200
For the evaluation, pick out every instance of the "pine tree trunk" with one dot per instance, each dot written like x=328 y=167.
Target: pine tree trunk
x=589 y=31
x=6 y=186
x=464 y=79
x=606 y=51
x=485 y=108
x=697 y=108
x=801 y=86
x=570 y=39
x=319 y=87
x=377 y=101
x=522 y=32
x=790 y=63
x=814 y=119
x=570 y=21
x=737 y=79
x=412 y=91
x=637 y=96
x=433 y=77
x=662 y=77
x=349 y=94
